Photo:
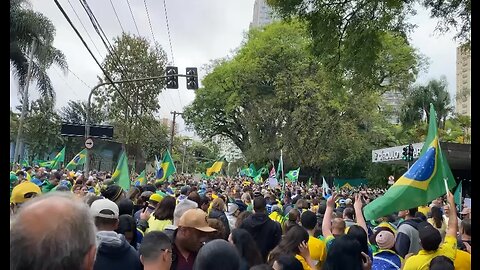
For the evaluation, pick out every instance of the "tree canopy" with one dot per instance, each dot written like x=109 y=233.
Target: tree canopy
x=276 y=94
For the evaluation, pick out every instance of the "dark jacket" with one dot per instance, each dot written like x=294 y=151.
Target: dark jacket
x=241 y=205
x=220 y=215
x=114 y=252
x=407 y=239
x=266 y=232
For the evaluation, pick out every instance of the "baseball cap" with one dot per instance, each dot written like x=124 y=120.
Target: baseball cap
x=341 y=201
x=104 y=208
x=348 y=201
x=156 y=198
x=195 y=218
x=22 y=189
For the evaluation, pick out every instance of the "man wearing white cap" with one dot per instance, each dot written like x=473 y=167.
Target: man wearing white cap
x=113 y=251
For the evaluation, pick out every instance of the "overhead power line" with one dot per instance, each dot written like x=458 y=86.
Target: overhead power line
x=171 y=47
x=100 y=66
x=133 y=17
x=84 y=28
x=115 y=57
x=155 y=42
x=168 y=31
x=116 y=15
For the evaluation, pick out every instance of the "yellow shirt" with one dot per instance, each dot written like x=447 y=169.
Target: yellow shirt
x=157 y=225
x=421 y=261
x=318 y=251
x=424 y=210
x=303 y=262
x=463 y=260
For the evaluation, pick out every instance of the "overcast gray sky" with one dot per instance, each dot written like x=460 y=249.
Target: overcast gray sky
x=201 y=30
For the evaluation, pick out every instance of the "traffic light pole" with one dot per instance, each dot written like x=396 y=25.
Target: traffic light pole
x=87 y=120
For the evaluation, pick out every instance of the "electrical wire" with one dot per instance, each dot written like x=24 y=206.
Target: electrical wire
x=99 y=65
x=134 y=21
x=116 y=15
x=84 y=28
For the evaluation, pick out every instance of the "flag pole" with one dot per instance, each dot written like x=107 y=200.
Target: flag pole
x=282 y=176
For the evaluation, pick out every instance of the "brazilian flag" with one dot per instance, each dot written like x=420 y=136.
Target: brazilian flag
x=428 y=178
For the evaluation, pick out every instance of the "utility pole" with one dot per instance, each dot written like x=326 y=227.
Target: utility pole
x=16 y=156
x=183 y=158
x=186 y=143
x=175 y=113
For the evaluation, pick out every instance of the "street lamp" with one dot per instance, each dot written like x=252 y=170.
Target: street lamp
x=87 y=120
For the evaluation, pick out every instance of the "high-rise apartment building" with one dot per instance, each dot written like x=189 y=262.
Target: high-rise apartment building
x=463 y=104
x=262 y=14
x=392 y=102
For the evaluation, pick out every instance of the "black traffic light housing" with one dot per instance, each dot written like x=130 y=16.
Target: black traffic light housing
x=410 y=152
x=192 y=78
x=405 y=153
x=172 y=78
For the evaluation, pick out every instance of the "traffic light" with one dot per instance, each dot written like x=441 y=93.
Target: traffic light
x=410 y=152
x=192 y=78
x=405 y=153
x=172 y=78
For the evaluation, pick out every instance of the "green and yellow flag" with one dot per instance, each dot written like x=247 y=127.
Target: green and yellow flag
x=55 y=162
x=166 y=169
x=215 y=168
x=142 y=180
x=258 y=179
x=121 y=175
x=78 y=159
x=293 y=175
x=426 y=179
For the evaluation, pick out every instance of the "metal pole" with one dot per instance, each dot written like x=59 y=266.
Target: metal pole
x=87 y=125
x=282 y=176
x=173 y=129
x=184 y=151
x=16 y=155
x=87 y=120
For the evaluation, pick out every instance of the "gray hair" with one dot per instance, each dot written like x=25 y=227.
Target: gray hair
x=62 y=244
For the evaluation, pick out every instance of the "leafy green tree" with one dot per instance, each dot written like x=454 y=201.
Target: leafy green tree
x=139 y=59
x=76 y=112
x=42 y=129
x=27 y=27
x=275 y=94
x=31 y=32
x=13 y=125
x=454 y=15
x=352 y=29
x=417 y=103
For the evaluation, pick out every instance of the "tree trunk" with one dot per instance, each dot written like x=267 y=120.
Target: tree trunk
x=19 y=141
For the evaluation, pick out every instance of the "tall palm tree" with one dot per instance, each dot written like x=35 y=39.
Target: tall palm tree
x=418 y=102
x=32 y=33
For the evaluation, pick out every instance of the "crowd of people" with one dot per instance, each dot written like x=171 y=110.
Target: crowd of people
x=67 y=220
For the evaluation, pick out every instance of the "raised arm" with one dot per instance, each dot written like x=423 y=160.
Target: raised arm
x=359 y=213
x=327 y=218
x=452 y=218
